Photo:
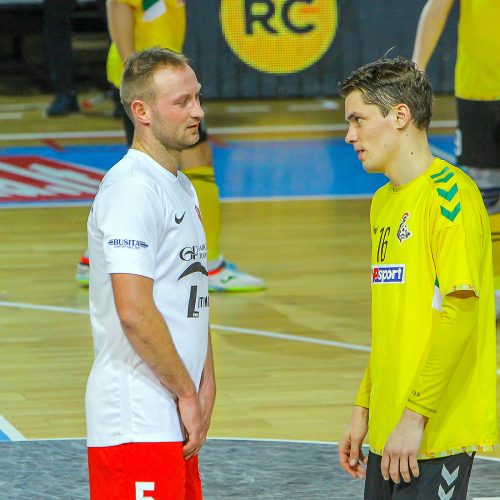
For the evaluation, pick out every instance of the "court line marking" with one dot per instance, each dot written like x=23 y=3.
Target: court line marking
x=235 y=329
x=260 y=440
x=247 y=331
x=95 y=134
x=10 y=431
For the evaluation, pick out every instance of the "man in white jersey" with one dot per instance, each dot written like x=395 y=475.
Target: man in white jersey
x=151 y=390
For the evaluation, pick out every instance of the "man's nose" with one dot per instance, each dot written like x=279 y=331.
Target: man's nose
x=198 y=111
x=351 y=135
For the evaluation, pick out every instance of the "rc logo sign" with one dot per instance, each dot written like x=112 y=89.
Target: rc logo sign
x=279 y=36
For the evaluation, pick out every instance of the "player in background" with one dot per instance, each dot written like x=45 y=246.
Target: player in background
x=477 y=91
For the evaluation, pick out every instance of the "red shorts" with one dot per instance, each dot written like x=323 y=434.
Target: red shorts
x=136 y=471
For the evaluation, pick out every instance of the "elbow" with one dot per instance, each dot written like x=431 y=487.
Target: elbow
x=129 y=320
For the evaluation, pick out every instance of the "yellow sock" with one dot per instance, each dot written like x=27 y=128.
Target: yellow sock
x=495 y=248
x=203 y=180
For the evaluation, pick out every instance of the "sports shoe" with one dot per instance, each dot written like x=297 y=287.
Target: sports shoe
x=82 y=270
x=228 y=278
x=64 y=103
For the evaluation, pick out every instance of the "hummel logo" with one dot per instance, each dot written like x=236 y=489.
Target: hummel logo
x=227 y=280
x=178 y=220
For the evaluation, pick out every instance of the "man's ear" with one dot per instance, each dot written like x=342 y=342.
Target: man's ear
x=403 y=115
x=141 y=111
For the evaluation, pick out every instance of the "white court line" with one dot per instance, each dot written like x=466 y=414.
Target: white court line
x=261 y=440
x=246 y=331
x=334 y=127
x=10 y=431
x=12 y=115
x=315 y=106
x=23 y=305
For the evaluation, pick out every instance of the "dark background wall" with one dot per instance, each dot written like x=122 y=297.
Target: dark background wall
x=367 y=29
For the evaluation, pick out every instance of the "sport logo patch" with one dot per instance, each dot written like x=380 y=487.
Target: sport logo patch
x=126 y=243
x=403 y=232
x=386 y=274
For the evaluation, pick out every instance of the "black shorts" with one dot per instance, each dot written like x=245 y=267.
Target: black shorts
x=437 y=478
x=478 y=134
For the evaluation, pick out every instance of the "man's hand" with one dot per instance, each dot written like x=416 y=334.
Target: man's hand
x=192 y=420
x=401 y=449
x=351 y=456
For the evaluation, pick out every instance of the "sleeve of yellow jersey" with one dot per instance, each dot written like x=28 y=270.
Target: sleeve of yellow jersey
x=457 y=248
x=448 y=341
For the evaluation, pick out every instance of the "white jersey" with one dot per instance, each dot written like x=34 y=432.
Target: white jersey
x=144 y=221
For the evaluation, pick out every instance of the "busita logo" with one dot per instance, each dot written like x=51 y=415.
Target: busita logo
x=279 y=36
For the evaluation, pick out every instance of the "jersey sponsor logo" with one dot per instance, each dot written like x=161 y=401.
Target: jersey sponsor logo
x=196 y=302
x=279 y=36
x=403 y=232
x=195 y=267
x=386 y=274
x=194 y=252
x=126 y=243
x=178 y=220
x=34 y=179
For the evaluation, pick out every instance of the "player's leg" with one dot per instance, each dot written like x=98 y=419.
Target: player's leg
x=478 y=152
x=142 y=470
x=446 y=477
x=376 y=487
x=197 y=164
x=57 y=35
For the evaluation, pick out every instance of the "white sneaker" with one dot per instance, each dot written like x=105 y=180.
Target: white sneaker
x=82 y=270
x=228 y=278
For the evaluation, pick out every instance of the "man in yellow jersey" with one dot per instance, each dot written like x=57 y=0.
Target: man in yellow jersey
x=135 y=25
x=477 y=89
x=428 y=396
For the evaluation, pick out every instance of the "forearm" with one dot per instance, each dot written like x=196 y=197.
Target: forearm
x=456 y=326
x=364 y=391
x=430 y=26
x=121 y=27
x=207 y=389
x=148 y=334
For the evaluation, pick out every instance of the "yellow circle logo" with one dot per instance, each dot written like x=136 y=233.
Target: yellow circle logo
x=279 y=36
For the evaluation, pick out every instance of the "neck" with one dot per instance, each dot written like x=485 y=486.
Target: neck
x=169 y=159
x=411 y=160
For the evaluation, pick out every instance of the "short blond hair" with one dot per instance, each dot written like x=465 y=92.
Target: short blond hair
x=137 y=79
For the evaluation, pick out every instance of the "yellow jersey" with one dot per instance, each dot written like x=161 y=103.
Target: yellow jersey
x=477 y=72
x=166 y=30
x=431 y=237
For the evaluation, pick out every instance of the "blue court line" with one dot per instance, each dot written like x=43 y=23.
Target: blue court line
x=256 y=169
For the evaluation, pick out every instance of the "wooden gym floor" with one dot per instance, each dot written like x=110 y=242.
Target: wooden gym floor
x=288 y=359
